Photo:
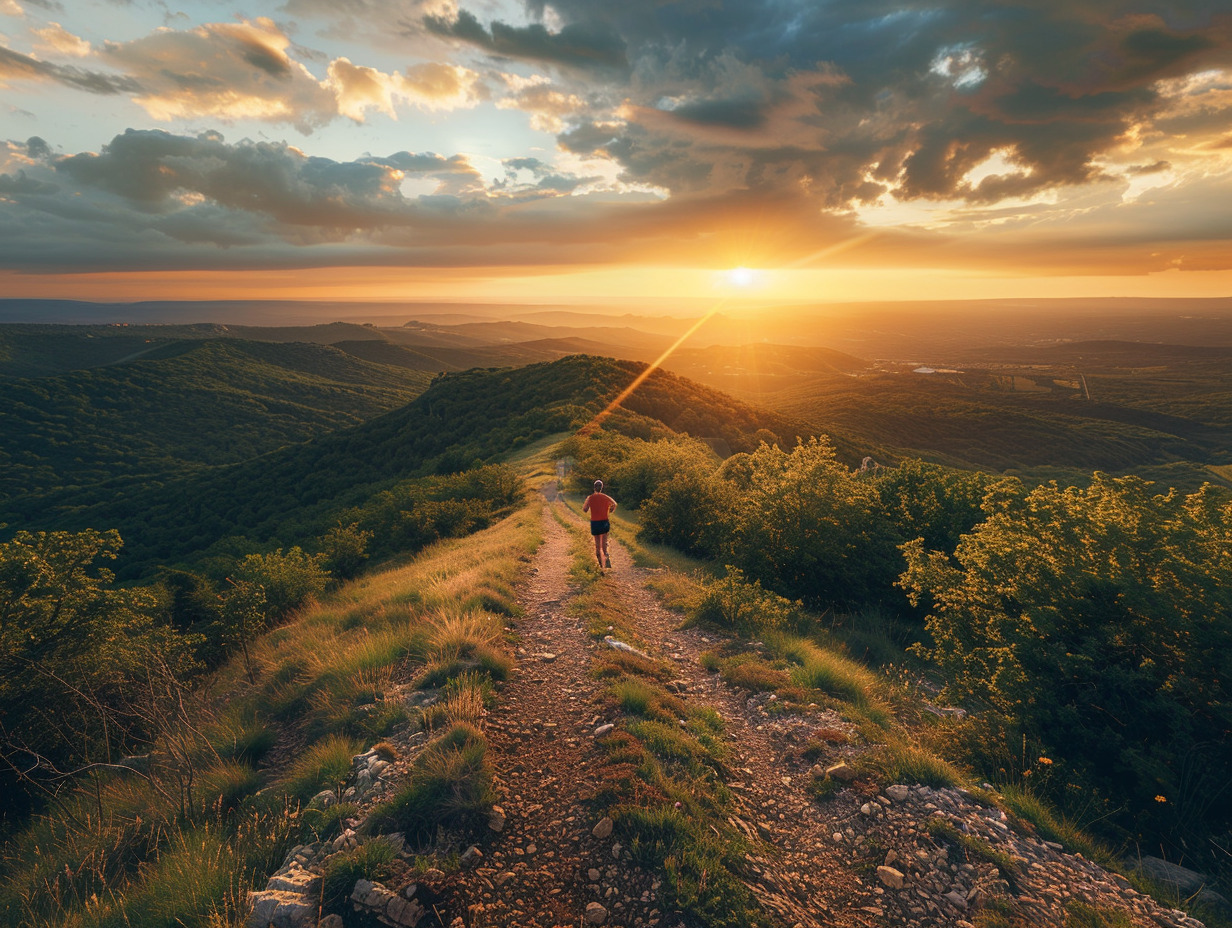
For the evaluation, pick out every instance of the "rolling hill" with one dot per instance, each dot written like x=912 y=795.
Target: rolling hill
x=177 y=405
x=297 y=491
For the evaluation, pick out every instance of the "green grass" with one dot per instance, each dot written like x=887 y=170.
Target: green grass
x=324 y=765
x=451 y=784
x=1081 y=915
x=901 y=761
x=815 y=668
x=975 y=849
x=144 y=864
x=1044 y=818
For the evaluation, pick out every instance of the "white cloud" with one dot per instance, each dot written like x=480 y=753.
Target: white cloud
x=55 y=38
x=228 y=71
x=430 y=86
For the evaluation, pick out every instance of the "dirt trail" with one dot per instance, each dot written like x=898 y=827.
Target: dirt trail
x=802 y=879
x=546 y=866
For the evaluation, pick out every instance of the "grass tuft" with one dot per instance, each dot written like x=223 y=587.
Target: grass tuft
x=325 y=765
x=372 y=860
x=899 y=761
x=450 y=785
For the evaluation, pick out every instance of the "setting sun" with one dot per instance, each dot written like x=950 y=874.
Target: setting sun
x=741 y=277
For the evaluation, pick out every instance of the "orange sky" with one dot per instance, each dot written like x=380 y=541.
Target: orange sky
x=649 y=288
x=580 y=151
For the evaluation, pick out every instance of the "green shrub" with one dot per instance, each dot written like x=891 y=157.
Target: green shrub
x=451 y=784
x=731 y=602
x=1083 y=620
x=288 y=580
x=372 y=860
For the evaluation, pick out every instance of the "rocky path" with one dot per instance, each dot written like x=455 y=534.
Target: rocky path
x=801 y=877
x=547 y=865
x=890 y=856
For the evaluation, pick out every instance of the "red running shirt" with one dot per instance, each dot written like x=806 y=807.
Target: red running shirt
x=600 y=505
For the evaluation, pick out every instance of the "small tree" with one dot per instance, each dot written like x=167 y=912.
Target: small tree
x=86 y=672
x=243 y=613
x=287 y=580
x=344 y=548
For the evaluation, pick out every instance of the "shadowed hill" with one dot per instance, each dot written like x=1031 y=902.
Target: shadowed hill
x=182 y=405
x=463 y=418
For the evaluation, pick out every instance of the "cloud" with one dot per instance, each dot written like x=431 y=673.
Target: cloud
x=673 y=123
x=55 y=38
x=228 y=71
x=240 y=71
x=430 y=86
x=14 y=66
x=847 y=101
x=586 y=45
x=550 y=109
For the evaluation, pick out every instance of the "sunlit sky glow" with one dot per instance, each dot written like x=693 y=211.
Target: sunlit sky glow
x=586 y=150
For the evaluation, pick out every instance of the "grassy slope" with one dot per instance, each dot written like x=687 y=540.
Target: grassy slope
x=133 y=860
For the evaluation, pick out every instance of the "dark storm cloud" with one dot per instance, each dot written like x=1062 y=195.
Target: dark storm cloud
x=580 y=45
x=156 y=171
x=16 y=66
x=905 y=98
x=153 y=199
x=733 y=113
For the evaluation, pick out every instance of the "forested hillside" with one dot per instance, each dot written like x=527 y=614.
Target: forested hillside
x=462 y=420
x=177 y=406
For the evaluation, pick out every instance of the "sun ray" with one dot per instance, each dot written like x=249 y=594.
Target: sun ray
x=624 y=394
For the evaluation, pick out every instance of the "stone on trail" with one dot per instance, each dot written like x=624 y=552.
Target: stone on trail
x=387 y=907
x=603 y=829
x=890 y=877
x=470 y=857
x=603 y=729
x=595 y=914
x=496 y=819
x=276 y=909
x=622 y=646
x=841 y=771
x=898 y=792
